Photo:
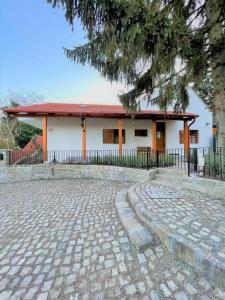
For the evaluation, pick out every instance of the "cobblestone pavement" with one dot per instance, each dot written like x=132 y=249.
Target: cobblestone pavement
x=63 y=240
x=196 y=217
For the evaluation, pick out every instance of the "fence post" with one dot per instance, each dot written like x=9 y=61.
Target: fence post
x=5 y=157
x=54 y=159
x=195 y=152
x=147 y=161
x=97 y=158
x=189 y=162
x=157 y=158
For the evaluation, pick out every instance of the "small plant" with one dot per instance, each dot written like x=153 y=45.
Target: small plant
x=215 y=162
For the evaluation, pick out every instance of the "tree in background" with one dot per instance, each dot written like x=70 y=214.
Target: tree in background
x=24 y=133
x=154 y=44
x=205 y=90
x=13 y=133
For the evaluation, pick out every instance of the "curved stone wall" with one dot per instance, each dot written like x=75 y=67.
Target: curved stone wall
x=37 y=172
x=180 y=180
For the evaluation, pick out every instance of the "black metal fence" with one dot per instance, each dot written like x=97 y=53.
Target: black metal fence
x=208 y=162
x=201 y=161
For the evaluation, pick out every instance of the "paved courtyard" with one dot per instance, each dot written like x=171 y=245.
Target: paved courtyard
x=64 y=240
x=195 y=217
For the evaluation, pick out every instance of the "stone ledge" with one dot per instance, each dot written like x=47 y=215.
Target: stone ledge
x=47 y=171
x=137 y=233
x=190 y=253
x=179 y=179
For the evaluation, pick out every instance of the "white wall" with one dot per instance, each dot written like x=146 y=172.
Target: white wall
x=203 y=123
x=65 y=133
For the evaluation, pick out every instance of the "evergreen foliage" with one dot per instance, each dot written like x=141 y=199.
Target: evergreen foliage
x=154 y=44
x=24 y=133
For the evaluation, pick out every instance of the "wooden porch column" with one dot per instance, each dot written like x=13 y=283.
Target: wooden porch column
x=186 y=139
x=44 y=138
x=120 y=126
x=154 y=145
x=83 y=125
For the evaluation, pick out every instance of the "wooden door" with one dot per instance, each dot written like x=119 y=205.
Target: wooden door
x=160 y=136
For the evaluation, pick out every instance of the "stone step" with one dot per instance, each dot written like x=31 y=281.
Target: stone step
x=192 y=253
x=137 y=233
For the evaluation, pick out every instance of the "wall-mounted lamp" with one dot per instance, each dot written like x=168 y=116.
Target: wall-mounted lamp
x=82 y=122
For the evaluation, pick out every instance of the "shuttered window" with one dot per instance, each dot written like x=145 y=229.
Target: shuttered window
x=108 y=136
x=111 y=136
x=193 y=136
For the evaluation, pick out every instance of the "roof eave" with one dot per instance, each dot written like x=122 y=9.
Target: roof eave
x=156 y=116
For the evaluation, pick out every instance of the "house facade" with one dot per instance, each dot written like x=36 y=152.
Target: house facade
x=87 y=127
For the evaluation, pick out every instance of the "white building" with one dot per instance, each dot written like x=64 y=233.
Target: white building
x=109 y=127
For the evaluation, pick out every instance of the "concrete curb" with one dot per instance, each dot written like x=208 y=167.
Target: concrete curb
x=191 y=254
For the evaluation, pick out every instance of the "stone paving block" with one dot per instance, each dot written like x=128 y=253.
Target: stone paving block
x=188 y=224
x=67 y=240
x=138 y=234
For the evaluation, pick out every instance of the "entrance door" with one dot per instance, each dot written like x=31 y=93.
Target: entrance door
x=160 y=136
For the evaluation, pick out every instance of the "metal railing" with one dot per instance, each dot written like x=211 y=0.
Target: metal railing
x=208 y=162
x=133 y=158
x=205 y=162
x=127 y=158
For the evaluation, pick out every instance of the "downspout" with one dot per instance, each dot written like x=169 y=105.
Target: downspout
x=193 y=121
x=189 y=162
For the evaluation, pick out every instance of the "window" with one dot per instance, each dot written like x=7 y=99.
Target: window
x=141 y=132
x=193 y=136
x=111 y=136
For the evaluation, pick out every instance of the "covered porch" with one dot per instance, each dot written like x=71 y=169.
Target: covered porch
x=103 y=123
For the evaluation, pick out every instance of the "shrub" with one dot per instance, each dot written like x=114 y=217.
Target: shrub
x=215 y=163
x=140 y=160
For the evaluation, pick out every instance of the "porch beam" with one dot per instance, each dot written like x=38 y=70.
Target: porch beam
x=186 y=139
x=120 y=126
x=44 y=137
x=84 y=142
x=154 y=144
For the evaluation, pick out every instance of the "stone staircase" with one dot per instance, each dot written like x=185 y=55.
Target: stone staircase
x=146 y=224
x=138 y=234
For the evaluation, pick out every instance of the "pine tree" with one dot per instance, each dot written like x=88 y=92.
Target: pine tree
x=154 y=44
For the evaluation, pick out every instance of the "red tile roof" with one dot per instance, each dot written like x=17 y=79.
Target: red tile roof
x=92 y=110
x=30 y=145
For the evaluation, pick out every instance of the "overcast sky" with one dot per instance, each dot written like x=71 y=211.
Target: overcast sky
x=32 y=35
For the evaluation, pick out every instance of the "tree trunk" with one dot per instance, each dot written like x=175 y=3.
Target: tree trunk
x=219 y=103
x=216 y=42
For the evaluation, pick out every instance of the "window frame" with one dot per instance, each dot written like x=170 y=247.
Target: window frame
x=196 y=136
x=140 y=135
x=181 y=136
x=115 y=136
